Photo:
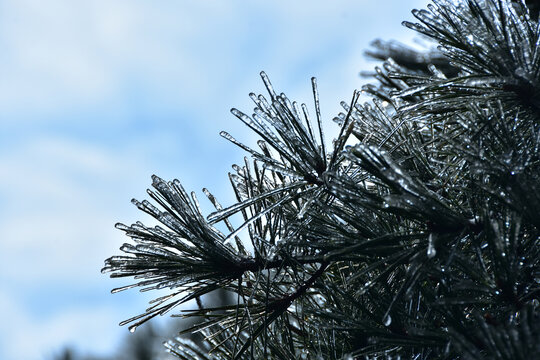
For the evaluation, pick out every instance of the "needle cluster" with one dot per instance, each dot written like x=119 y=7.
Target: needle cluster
x=415 y=235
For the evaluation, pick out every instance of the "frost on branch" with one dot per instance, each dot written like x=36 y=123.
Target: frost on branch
x=414 y=234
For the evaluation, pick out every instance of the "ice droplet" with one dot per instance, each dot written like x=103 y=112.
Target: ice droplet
x=364 y=288
x=303 y=210
x=132 y=328
x=387 y=320
x=431 y=251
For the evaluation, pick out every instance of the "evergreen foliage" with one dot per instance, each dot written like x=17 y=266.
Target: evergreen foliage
x=415 y=235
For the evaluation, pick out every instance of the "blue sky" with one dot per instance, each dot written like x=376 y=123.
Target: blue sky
x=98 y=95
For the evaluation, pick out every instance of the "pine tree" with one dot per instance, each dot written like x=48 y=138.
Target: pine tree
x=414 y=235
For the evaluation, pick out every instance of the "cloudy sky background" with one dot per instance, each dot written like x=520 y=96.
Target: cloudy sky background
x=98 y=95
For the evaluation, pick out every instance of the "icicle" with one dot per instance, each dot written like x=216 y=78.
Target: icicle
x=297 y=112
x=218 y=206
x=266 y=107
x=117 y=290
x=227 y=212
x=229 y=137
x=121 y=226
x=128 y=248
x=197 y=205
x=261 y=119
x=319 y=120
x=246 y=120
x=268 y=85
x=256 y=100
x=431 y=251
x=308 y=123
x=387 y=320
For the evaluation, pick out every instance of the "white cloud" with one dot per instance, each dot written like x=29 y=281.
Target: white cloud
x=26 y=338
x=59 y=202
x=60 y=199
x=60 y=55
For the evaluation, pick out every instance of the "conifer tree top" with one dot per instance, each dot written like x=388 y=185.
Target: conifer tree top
x=413 y=234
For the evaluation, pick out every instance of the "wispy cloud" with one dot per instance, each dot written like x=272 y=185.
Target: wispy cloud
x=63 y=55
x=58 y=204
x=29 y=338
x=60 y=199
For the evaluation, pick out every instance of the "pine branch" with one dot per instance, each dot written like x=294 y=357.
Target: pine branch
x=420 y=240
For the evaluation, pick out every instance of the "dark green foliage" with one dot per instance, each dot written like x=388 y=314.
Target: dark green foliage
x=419 y=239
